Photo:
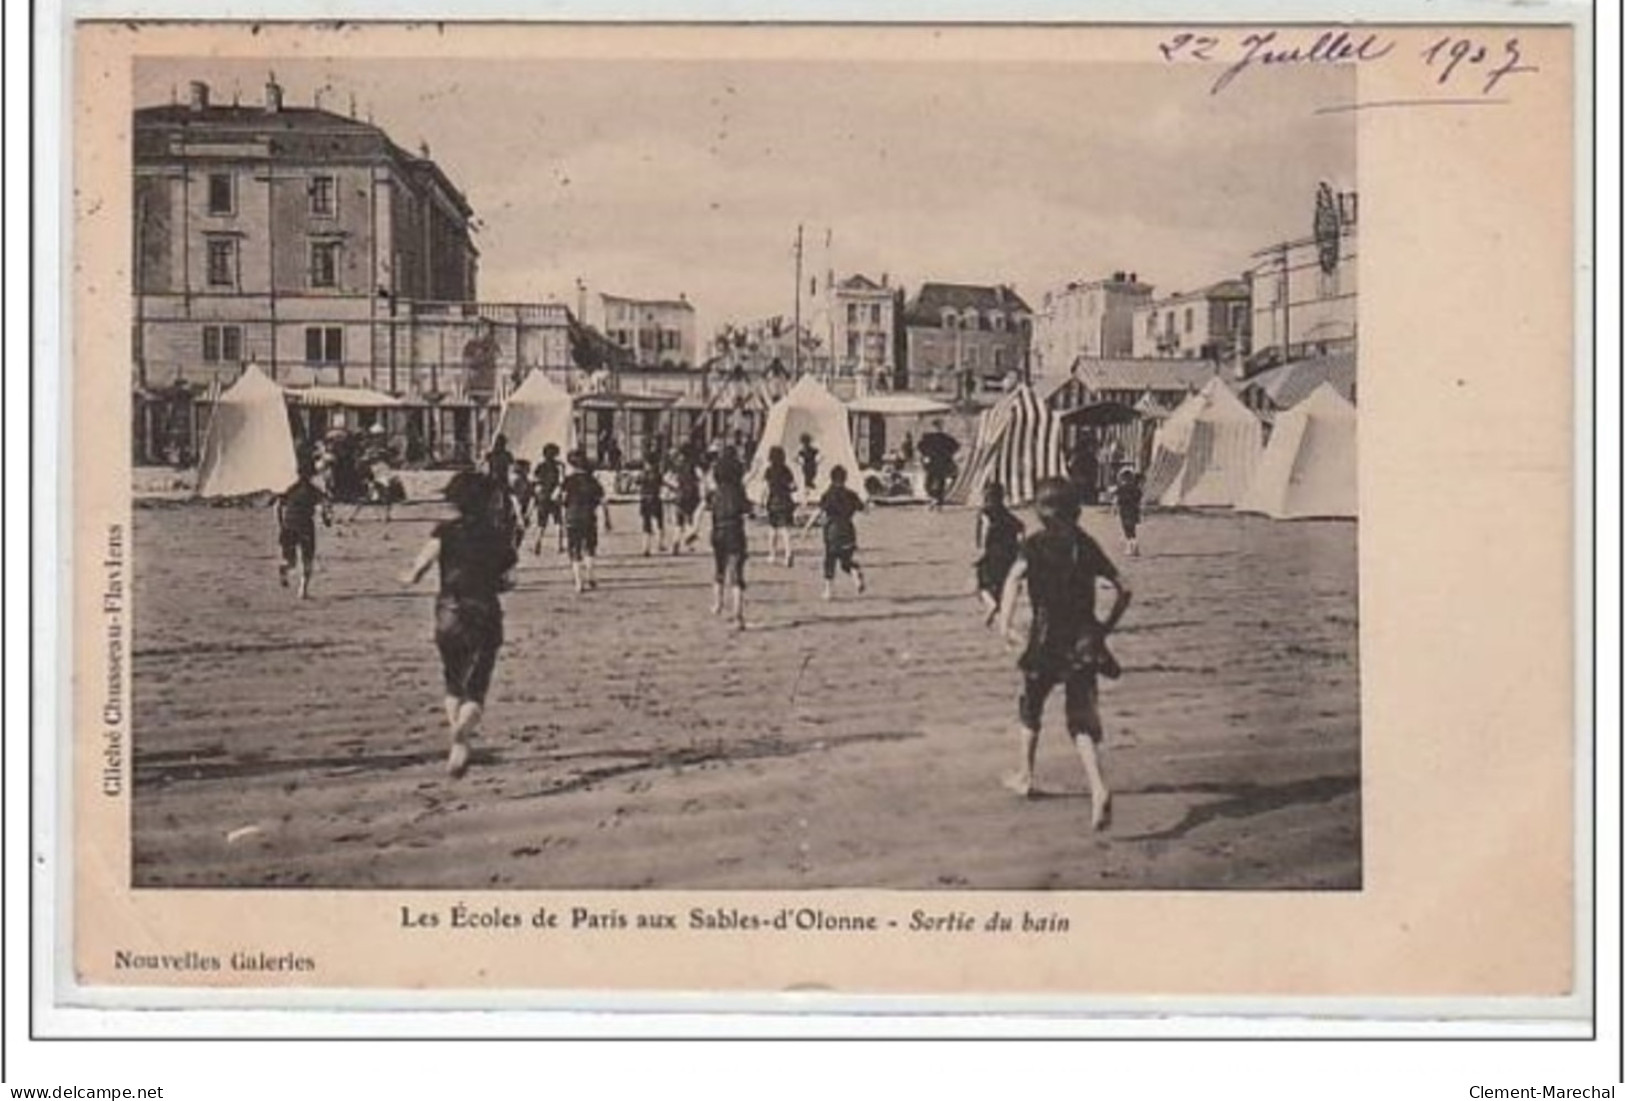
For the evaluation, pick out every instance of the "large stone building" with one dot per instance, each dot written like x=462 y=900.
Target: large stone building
x=1305 y=290
x=659 y=332
x=288 y=236
x=313 y=246
x=964 y=339
x=1210 y=323
x=1092 y=319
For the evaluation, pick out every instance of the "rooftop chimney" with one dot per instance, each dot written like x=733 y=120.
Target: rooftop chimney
x=273 y=97
x=885 y=279
x=1133 y=277
x=200 y=95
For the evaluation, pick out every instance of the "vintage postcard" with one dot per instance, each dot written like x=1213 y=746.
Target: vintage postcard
x=1050 y=513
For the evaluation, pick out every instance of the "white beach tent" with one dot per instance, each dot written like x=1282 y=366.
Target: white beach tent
x=808 y=409
x=1213 y=443
x=537 y=413
x=1173 y=440
x=248 y=447
x=1308 y=469
x=1018 y=443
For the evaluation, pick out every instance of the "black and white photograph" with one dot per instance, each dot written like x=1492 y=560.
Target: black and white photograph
x=743 y=474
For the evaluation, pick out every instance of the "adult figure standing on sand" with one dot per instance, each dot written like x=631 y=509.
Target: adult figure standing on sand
x=937 y=451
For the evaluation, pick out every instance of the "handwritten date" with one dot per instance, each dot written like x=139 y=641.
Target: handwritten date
x=1451 y=58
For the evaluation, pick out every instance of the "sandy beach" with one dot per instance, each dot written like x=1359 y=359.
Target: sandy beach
x=634 y=741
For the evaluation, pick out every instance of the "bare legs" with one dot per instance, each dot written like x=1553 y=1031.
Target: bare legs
x=463 y=716
x=1100 y=797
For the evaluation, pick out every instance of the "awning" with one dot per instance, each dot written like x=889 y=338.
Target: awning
x=652 y=402
x=896 y=405
x=348 y=397
x=1101 y=413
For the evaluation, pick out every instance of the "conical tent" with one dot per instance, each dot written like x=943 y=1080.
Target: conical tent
x=1219 y=442
x=1018 y=442
x=536 y=414
x=1172 y=441
x=249 y=445
x=807 y=410
x=1308 y=469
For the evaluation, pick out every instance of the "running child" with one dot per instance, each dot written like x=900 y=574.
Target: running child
x=583 y=498
x=728 y=507
x=1128 y=499
x=837 y=507
x=1066 y=644
x=998 y=537
x=781 y=505
x=523 y=494
x=296 y=509
x=475 y=556
x=688 y=498
x=547 y=477
x=808 y=457
x=651 y=509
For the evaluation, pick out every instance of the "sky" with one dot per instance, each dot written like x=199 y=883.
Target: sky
x=655 y=178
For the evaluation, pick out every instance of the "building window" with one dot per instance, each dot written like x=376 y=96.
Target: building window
x=324 y=344
x=1150 y=324
x=1190 y=319
x=851 y=345
x=222 y=344
x=972 y=360
x=874 y=314
x=998 y=323
x=222 y=194
x=324 y=263
x=222 y=268
x=851 y=313
x=323 y=197
x=971 y=320
x=998 y=359
x=950 y=320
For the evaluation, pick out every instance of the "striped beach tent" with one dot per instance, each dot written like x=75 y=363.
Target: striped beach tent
x=1018 y=442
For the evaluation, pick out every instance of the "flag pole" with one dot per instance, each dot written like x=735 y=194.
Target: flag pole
x=796 y=343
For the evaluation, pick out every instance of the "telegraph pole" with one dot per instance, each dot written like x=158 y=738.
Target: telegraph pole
x=796 y=342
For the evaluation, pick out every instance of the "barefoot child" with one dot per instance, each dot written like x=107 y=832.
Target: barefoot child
x=1065 y=643
x=1130 y=495
x=781 y=505
x=998 y=537
x=651 y=509
x=728 y=507
x=524 y=501
x=475 y=555
x=548 y=475
x=688 y=497
x=296 y=510
x=583 y=498
x=808 y=457
x=838 y=506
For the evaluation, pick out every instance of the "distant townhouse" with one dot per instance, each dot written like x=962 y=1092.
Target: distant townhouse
x=1092 y=319
x=659 y=332
x=1210 y=323
x=863 y=323
x=962 y=338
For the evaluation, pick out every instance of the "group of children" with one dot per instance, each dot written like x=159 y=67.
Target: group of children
x=1058 y=565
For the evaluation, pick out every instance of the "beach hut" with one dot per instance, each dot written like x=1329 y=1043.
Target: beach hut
x=1308 y=469
x=811 y=410
x=248 y=446
x=1018 y=442
x=1206 y=451
x=537 y=413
